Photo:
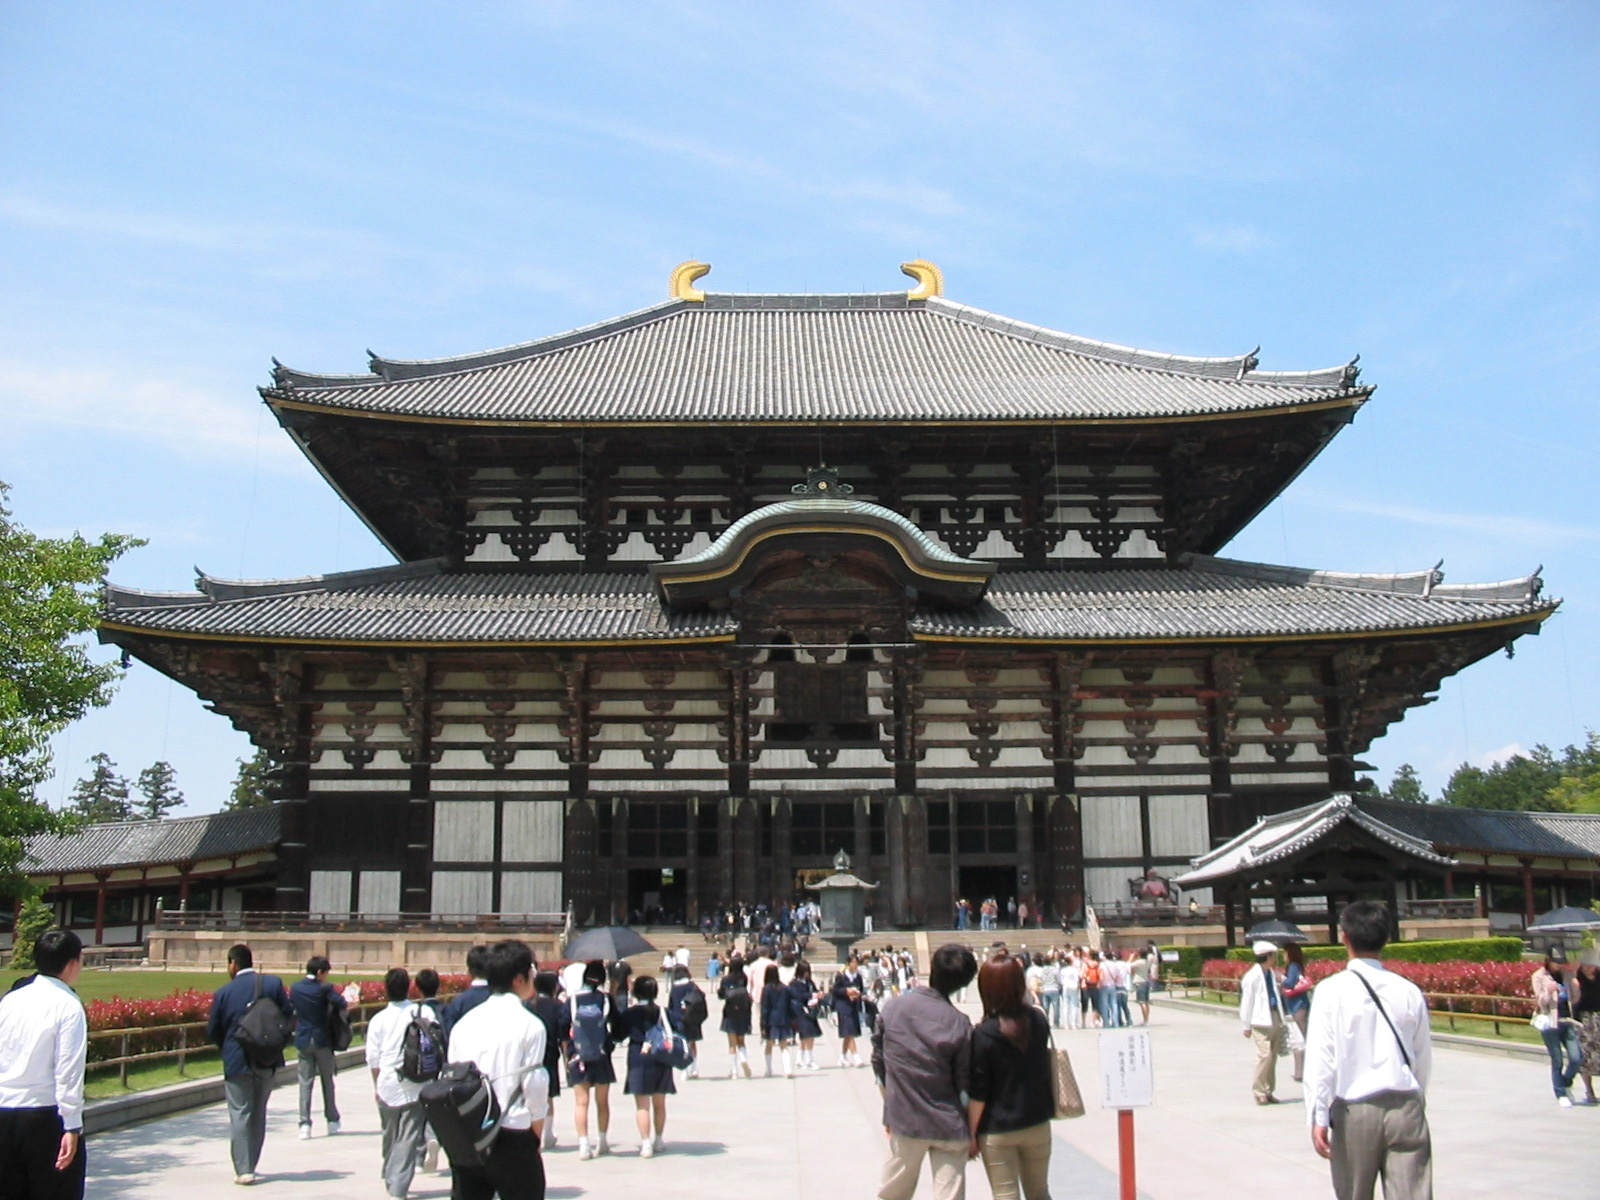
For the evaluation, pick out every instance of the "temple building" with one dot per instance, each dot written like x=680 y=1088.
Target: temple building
x=688 y=600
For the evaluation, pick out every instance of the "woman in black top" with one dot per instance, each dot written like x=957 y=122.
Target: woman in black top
x=649 y=1082
x=1011 y=1102
x=1586 y=1011
x=734 y=992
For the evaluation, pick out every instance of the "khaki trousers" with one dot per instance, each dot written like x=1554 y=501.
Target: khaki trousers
x=900 y=1172
x=1381 y=1137
x=1018 y=1162
x=1267 y=1039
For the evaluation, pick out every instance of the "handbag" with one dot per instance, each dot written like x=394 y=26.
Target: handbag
x=1293 y=1039
x=1064 y=1085
x=1543 y=1022
x=665 y=1047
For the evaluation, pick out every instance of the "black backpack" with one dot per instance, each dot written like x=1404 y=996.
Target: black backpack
x=263 y=1031
x=461 y=1107
x=693 y=1010
x=422 y=1049
x=339 y=1029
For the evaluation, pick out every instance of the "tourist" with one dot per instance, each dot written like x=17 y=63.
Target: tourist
x=1090 y=972
x=506 y=1042
x=427 y=982
x=733 y=989
x=474 y=994
x=557 y=1033
x=1139 y=977
x=686 y=1013
x=588 y=1051
x=1011 y=1101
x=1071 y=976
x=848 y=993
x=1106 y=993
x=246 y=1084
x=1122 y=981
x=715 y=966
x=618 y=974
x=1552 y=993
x=649 y=1082
x=776 y=1027
x=1586 y=1009
x=1261 y=1013
x=1368 y=1054
x=399 y=1108
x=921 y=1048
x=44 y=1043
x=1297 y=1001
x=311 y=998
x=805 y=1002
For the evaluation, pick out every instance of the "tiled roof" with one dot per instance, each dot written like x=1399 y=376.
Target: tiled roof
x=149 y=843
x=871 y=357
x=1283 y=835
x=421 y=602
x=1549 y=835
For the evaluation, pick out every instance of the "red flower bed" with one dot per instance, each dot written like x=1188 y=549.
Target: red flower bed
x=1469 y=979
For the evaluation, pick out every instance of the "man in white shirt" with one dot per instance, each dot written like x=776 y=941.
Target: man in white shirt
x=1261 y=1012
x=44 y=1041
x=506 y=1041
x=1369 y=1051
x=405 y=1129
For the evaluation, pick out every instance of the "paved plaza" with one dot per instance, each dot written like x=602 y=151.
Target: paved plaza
x=1496 y=1130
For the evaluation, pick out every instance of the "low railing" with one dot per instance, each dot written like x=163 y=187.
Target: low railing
x=323 y=922
x=1451 y=1006
x=1142 y=912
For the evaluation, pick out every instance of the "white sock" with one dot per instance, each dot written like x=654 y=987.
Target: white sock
x=788 y=1061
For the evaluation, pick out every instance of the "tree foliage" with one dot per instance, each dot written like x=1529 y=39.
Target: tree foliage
x=158 y=792
x=1540 y=781
x=102 y=796
x=252 y=787
x=35 y=918
x=1406 y=787
x=48 y=600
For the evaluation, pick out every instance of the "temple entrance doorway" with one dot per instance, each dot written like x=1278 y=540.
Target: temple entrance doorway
x=977 y=884
x=657 y=896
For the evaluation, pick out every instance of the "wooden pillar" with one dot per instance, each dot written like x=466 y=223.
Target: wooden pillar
x=100 y=907
x=621 y=882
x=1449 y=884
x=1483 y=896
x=1227 y=916
x=1527 y=892
x=691 y=886
x=1394 y=908
x=184 y=870
x=746 y=852
x=917 y=862
x=725 y=849
x=896 y=824
x=863 y=831
x=578 y=859
x=781 y=886
x=1027 y=868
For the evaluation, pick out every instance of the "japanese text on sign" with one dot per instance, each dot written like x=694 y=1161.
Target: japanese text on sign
x=1127 y=1075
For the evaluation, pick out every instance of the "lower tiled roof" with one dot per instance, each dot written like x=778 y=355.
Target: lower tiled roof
x=1208 y=599
x=151 y=843
x=1547 y=835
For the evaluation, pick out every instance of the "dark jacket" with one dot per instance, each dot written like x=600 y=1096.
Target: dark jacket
x=310 y=1001
x=229 y=1003
x=462 y=1003
x=557 y=1018
x=1013 y=1084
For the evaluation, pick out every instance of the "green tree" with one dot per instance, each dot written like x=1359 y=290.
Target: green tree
x=158 y=792
x=49 y=598
x=35 y=919
x=1539 y=781
x=252 y=787
x=1406 y=787
x=102 y=797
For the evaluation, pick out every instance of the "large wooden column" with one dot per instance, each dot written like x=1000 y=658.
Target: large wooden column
x=1065 y=823
x=746 y=849
x=579 y=860
x=725 y=849
x=420 y=726
x=1027 y=866
x=781 y=885
x=896 y=823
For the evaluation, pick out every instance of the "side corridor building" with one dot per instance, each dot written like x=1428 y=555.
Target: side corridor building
x=687 y=600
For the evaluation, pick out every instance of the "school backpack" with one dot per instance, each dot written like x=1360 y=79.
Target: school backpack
x=693 y=1011
x=339 y=1028
x=263 y=1031
x=590 y=1038
x=465 y=1115
x=422 y=1048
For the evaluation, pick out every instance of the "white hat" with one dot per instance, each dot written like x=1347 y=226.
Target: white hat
x=1260 y=948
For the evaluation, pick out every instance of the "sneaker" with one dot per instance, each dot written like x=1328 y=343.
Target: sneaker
x=744 y=1065
x=245 y=1180
x=430 y=1157
x=585 y=1150
x=549 y=1142
x=648 y=1150
x=305 y=1133
x=660 y=1145
x=333 y=1128
x=1564 y=1100
x=602 y=1146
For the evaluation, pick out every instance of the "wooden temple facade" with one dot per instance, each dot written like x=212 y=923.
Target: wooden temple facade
x=688 y=600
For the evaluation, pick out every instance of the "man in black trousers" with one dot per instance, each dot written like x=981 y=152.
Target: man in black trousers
x=44 y=1040
x=246 y=1085
x=311 y=998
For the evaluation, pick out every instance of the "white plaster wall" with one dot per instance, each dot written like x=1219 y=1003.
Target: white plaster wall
x=531 y=831
x=530 y=892
x=1111 y=827
x=462 y=893
x=380 y=892
x=1179 y=825
x=330 y=892
x=463 y=830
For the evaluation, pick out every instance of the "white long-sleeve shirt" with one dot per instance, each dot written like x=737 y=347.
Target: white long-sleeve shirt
x=1350 y=1052
x=507 y=1043
x=44 y=1042
x=386 y=1050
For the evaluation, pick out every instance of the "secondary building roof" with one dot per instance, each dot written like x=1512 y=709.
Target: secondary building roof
x=153 y=843
x=1207 y=599
x=871 y=357
x=1493 y=831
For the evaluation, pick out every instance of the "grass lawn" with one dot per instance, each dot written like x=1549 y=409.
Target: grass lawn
x=135 y=985
x=1512 y=1029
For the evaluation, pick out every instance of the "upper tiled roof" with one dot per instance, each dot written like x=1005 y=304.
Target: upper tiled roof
x=149 y=843
x=1283 y=835
x=1207 y=598
x=1549 y=835
x=871 y=357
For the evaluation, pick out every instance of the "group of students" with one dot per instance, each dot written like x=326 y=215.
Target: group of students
x=1080 y=988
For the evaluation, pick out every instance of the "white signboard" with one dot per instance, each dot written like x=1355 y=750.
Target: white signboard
x=1169 y=956
x=1127 y=1076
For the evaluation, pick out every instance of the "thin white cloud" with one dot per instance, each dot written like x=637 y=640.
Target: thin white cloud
x=1227 y=238
x=186 y=418
x=1491 y=758
x=1496 y=525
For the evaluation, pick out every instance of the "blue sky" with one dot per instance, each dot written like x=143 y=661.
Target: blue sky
x=188 y=190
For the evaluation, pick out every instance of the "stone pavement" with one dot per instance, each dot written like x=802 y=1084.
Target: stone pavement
x=1497 y=1131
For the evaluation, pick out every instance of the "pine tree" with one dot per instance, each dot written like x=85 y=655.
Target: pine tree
x=252 y=786
x=158 y=789
x=1406 y=787
x=103 y=796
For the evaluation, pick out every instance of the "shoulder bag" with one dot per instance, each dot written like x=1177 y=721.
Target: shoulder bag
x=1064 y=1084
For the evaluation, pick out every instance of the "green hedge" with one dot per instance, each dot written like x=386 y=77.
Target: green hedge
x=1187 y=966
x=1492 y=949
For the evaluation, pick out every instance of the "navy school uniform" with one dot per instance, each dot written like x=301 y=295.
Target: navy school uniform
x=847 y=1010
x=802 y=1012
x=646 y=1077
x=775 y=1013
